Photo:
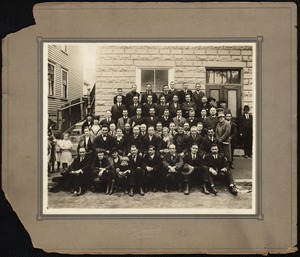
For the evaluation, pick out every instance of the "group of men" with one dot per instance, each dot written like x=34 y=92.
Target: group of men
x=168 y=142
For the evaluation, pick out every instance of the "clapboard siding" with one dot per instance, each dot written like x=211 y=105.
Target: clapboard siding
x=72 y=62
x=116 y=67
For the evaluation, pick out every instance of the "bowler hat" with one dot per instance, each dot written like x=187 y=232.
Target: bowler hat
x=246 y=108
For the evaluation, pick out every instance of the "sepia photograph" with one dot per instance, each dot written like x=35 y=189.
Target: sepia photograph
x=149 y=128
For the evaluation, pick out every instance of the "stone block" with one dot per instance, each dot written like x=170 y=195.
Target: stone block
x=129 y=74
x=106 y=73
x=176 y=51
x=213 y=58
x=130 y=51
x=246 y=52
x=202 y=57
x=223 y=52
x=211 y=51
x=118 y=50
x=249 y=64
x=118 y=62
x=153 y=51
x=247 y=76
x=124 y=57
x=168 y=57
x=178 y=63
x=165 y=51
x=236 y=57
x=202 y=51
x=187 y=63
x=189 y=57
x=107 y=62
x=118 y=74
x=245 y=58
x=234 y=52
x=188 y=51
x=106 y=50
x=197 y=63
x=141 y=51
x=199 y=75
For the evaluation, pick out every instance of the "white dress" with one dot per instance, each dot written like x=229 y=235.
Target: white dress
x=66 y=154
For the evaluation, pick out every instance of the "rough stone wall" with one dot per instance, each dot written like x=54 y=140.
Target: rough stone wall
x=116 y=67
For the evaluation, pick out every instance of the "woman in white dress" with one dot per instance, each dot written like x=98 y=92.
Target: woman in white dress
x=66 y=151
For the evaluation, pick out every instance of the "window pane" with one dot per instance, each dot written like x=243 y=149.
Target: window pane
x=225 y=77
x=235 y=77
x=218 y=77
x=215 y=93
x=147 y=77
x=209 y=77
x=232 y=102
x=161 y=79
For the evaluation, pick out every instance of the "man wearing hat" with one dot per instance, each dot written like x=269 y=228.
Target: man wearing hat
x=88 y=122
x=223 y=107
x=193 y=168
x=223 y=136
x=246 y=123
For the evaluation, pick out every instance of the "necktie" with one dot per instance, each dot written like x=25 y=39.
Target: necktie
x=215 y=156
x=194 y=157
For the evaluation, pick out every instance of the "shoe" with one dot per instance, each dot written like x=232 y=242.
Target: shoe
x=75 y=192
x=79 y=191
x=154 y=189
x=142 y=193
x=179 y=188
x=250 y=156
x=187 y=190
x=214 y=190
x=204 y=190
x=245 y=156
x=231 y=166
x=166 y=190
x=126 y=191
x=131 y=192
x=93 y=189
x=232 y=190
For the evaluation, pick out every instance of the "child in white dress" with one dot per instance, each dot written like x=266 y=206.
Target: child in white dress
x=66 y=153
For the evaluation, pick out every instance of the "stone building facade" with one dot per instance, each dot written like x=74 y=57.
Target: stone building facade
x=224 y=71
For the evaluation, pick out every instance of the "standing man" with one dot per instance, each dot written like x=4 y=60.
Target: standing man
x=174 y=106
x=246 y=123
x=166 y=93
x=223 y=136
x=192 y=120
x=107 y=120
x=117 y=109
x=132 y=107
x=150 y=139
x=197 y=95
x=165 y=119
x=217 y=166
x=147 y=93
x=87 y=141
x=136 y=175
x=88 y=122
x=123 y=120
x=173 y=91
x=179 y=120
x=161 y=106
x=205 y=105
x=138 y=119
x=187 y=106
x=135 y=138
x=130 y=95
x=120 y=93
x=104 y=141
x=182 y=93
x=223 y=107
x=148 y=105
x=233 y=136
x=151 y=120
x=211 y=121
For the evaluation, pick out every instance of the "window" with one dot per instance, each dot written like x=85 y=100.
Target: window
x=156 y=77
x=223 y=76
x=64 y=82
x=50 y=79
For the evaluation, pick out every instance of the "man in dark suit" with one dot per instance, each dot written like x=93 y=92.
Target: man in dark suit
x=180 y=140
x=172 y=91
x=101 y=173
x=217 y=166
x=174 y=106
x=195 y=138
x=136 y=176
x=123 y=120
x=151 y=120
x=166 y=93
x=150 y=139
x=161 y=106
x=117 y=108
x=192 y=120
x=149 y=104
x=182 y=93
x=135 y=138
x=246 y=123
x=232 y=136
x=89 y=121
x=104 y=141
x=205 y=105
x=193 y=169
x=120 y=93
x=130 y=96
x=165 y=119
x=87 y=141
x=187 y=106
x=138 y=119
x=152 y=167
x=209 y=140
x=148 y=92
x=76 y=176
x=172 y=167
x=179 y=120
x=107 y=120
x=212 y=120
x=197 y=95
x=132 y=108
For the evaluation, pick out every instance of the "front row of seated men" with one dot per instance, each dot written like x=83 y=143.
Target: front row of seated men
x=141 y=172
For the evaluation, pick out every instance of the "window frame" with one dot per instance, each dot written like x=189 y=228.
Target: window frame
x=224 y=69
x=138 y=82
x=54 y=72
x=62 y=85
x=64 y=48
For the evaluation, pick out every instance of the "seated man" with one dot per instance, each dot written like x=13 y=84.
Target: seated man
x=136 y=175
x=209 y=140
x=102 y=173
x=76 y=176
x=217 y=166
x=122 y=172
x=193 y=169
x=172 y=167
x=151 y=165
